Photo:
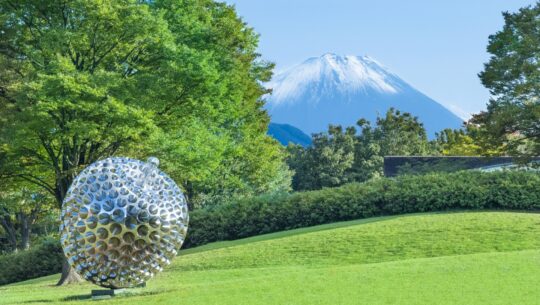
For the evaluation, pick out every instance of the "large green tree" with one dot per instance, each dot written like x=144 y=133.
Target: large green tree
x=326 y=162
x=394 y=134
x=399 y=133
x=81 y=80
x=513 y=77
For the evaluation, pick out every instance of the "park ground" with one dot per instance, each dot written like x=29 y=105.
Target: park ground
x=441 y=258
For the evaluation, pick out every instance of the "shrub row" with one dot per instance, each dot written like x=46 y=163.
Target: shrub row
x=266 y=214
x=516 y=190
x=44 y=259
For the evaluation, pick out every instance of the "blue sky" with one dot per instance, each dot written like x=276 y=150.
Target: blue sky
x=437 y=46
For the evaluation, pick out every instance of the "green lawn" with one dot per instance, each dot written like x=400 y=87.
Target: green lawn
x=455 y=258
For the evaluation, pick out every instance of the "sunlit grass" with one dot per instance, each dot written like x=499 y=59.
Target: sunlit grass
x=455 y=258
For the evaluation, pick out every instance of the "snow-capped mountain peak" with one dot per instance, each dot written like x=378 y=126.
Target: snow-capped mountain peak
x=334 y=89
x=331 y=72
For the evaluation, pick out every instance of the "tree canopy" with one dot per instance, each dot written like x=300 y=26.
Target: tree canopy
x=21 y=205
x=472 y=140
x=343 y=155
x=513 y=77
x=180 y=79
x=326 y=162
x=81 y=80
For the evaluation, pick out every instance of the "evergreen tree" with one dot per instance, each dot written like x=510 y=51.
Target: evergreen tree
x=513 y=77
x=326 y=162
x=395 y=134
x=368 y=160
x=400 y=133
x=341 y=156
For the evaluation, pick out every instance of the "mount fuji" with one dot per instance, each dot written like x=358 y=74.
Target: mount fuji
x=334 y=89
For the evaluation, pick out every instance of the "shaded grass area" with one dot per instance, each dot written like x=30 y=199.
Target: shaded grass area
x=282 y=234
x=455 y=258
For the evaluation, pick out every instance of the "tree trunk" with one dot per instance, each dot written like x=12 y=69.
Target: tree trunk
x=189 y=194
x=69 y=275
x=9 y=227
x=25 y=231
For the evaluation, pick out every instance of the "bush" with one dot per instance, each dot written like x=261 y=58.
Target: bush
x=509 y=190
x=271 y=213
x=44 y=259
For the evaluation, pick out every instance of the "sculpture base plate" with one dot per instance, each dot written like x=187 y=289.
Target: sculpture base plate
x=100 y=294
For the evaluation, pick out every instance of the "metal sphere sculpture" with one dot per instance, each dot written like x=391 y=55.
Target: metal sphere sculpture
x=123 y=220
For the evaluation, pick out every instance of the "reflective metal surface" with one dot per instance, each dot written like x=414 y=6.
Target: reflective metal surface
x=123 y=220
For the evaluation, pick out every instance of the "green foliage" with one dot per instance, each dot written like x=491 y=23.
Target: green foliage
x=221 y=151
x=472 y=140
x=41 y=260
x=404 y=194
x=341 y=156
x=21 y=206
x=512 y=76
x=180 y=79
x=457 y=143
x=326 y=162
x=395 y=134
x=398 y=134
x=368 y=157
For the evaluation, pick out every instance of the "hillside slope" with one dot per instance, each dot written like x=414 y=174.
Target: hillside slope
x=334 y=89
x=286 y=134
x=456 y=258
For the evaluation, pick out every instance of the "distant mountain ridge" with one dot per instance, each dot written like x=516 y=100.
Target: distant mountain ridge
x=286 y=134
x=334 y=89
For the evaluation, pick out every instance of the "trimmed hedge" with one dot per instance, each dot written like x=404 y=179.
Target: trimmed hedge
x=508 y=190
x=266 y=214
x=44 y=259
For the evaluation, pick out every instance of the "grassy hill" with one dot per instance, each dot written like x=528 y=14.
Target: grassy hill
x=447 y=258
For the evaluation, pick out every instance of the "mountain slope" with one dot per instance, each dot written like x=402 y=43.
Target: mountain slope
x=334 y=89
x=286 y=134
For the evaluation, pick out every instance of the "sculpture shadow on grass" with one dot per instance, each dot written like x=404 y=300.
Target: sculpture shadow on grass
x=82 y=297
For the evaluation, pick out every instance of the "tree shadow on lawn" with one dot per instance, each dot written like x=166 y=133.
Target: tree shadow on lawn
x=79 y=297
x=66 y=299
